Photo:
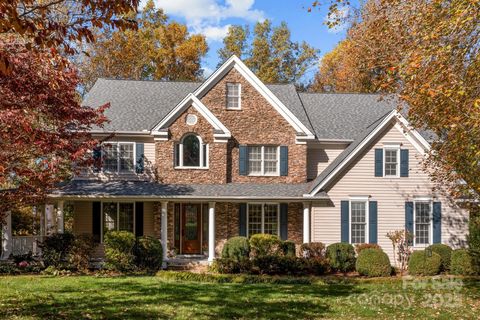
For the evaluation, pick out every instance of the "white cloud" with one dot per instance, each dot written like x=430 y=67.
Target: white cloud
x=341 y=15
x=206 y=16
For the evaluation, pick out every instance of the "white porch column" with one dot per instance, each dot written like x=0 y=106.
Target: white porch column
x=211 y=231
x=49 y=225
x=306 y=222
x=164 y=222
x=60 y=223
x=7 y=240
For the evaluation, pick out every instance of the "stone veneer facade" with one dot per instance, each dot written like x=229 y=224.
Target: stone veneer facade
x=226 y=222
x=257 y=123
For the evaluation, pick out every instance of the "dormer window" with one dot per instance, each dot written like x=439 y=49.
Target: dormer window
x=191 y=152
x=233 y=96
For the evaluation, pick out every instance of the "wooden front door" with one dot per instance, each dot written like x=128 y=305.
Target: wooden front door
x=191 y=227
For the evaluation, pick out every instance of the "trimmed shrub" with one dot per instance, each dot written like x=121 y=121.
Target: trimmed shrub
x=373 y=262
x=362 y=246
x=462 y=263
x=236 y=248
x=231 y=265
x=420 y=263
x=148 y=253
x=56 y=248
x=316 y=266
x=81 y=252
x=445 y=253
x=119 y=250
x=313 y=250
x=288 y=248
x=264 y=245
x=278 y=265
x=341 y=256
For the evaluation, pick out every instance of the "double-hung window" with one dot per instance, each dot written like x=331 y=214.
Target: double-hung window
x=118 y=157
x=263 y=160
x=118 y=216
x=358 y=221
x=423 y=222
x=233 y=96
x=392 y=160
x=263 y=218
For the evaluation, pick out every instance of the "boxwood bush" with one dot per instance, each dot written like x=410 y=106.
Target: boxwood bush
x=372 y=262
x=236 y=248
x=422 y=263
x=231 y=265
x=445 y=253
x=288 y=248
x=341 y=256
x=148 y=253
x=362 y=246
x=264 y=245
x=462 y=263
x=278 y=265
x=119 y=250
x=56 y=249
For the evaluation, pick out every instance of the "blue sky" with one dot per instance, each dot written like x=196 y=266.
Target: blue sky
x=212 y=18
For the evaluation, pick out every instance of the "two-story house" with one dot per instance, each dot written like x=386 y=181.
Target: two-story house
x=197 y=163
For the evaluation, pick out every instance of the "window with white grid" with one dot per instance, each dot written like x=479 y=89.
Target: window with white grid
x=358 y=222
x=110 y=157
x=263 y=218
x=263 y=160
x=254 y=219
x=118 y=216
x=422 y=222
x=270 y=220
x=391 y=162
x=233 y=96
x=126 y=157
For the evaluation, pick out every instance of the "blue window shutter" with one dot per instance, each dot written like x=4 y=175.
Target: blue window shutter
x=378 y=162
x=97 y=159
x=96 y=220
x=140 y=156
x=242 y=220
x=345 y=220
x=283 y=160
x=139 y=219
x=284 y=221
x=404 y=163
x=243 y=160
x=409 y=217
x=437 y=222
x=372 y=222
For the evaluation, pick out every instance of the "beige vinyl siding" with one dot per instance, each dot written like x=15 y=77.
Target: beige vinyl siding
x=320 y=156
x=149 y=162
x=391 y=195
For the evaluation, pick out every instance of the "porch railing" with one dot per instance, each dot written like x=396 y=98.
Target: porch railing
x=26 y=244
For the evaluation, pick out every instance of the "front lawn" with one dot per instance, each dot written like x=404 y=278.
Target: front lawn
x=42 y=297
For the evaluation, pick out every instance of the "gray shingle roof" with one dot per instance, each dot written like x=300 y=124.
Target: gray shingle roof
x=344 y=115
x=96 y=188
x=345 y=153
x=137 y=105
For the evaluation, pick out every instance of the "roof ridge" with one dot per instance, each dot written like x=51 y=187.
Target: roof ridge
x=150 y=80
x=346 y=93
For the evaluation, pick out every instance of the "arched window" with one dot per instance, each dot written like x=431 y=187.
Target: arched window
x=191 y=152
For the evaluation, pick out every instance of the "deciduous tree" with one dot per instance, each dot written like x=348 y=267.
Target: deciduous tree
x=59 y=24
x=427 y=52
x=157 y=49
x=269 y=53
x=43 y=128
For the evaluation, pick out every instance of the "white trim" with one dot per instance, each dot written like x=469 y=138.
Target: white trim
x=392 y=115
x=202 y=165
x=262 y=204
x=235 y=62
x=396 y=148
x=117 y=144
x=367 y=214
x=239 y=96
x=428 y=200
x=262 y=161
x=189 y=100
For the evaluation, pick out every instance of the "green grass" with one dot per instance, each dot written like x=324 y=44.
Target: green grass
x=168 y=296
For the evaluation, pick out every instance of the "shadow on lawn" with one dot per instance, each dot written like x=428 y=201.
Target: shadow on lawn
x=153 y=298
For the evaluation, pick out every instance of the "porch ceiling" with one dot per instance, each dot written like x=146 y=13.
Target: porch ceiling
x=153 y=190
